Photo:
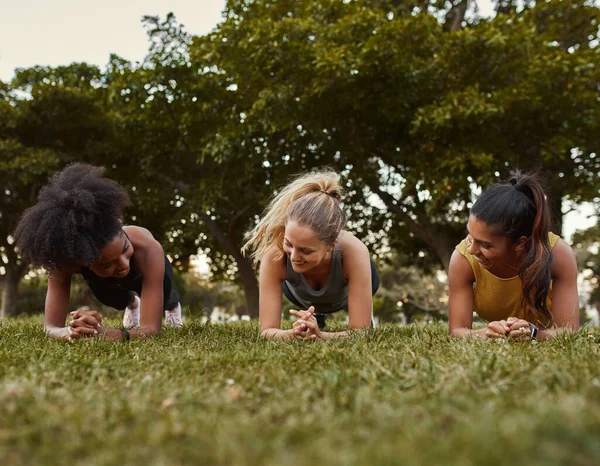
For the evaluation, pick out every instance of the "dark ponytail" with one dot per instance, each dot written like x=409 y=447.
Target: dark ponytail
x=520 y=208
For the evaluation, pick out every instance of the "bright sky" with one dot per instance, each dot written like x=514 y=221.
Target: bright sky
x=59 y=32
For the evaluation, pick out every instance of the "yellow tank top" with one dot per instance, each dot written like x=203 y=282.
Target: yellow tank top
x=497 y=298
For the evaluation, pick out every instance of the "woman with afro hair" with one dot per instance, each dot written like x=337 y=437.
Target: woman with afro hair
x=76 y=228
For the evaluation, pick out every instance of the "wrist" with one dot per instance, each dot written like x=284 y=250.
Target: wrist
x=534 y=331
x=125 y=334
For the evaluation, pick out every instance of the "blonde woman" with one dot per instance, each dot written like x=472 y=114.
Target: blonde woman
x=305 y=253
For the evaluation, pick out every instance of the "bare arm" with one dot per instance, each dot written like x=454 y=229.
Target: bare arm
x=272 y=274
x=460 y=299
x=357 y=268
x=150 y=262
x=57 y=304
x=565 y=298
x=360 y=296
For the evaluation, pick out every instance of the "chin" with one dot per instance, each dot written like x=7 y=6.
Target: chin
x=486 y=265
x=300 y=268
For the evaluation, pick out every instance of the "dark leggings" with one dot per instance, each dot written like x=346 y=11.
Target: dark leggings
x=321 y=317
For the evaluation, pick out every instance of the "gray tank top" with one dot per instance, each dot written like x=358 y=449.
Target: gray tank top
x=332 y=297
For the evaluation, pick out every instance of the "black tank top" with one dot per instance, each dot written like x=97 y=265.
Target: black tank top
x=332 y=297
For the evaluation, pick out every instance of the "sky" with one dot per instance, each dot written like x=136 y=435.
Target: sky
x=59 y=32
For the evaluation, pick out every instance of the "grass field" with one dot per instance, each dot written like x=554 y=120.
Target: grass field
x=216 y=394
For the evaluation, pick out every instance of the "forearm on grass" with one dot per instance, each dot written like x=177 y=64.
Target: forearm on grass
x=553 y=333
x=115 y=334
x=277 y=334
x=334 y=335
x=59 y=333
x=464 y=332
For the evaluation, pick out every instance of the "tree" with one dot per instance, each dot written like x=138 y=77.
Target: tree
x=419 y=113
x=586 y=246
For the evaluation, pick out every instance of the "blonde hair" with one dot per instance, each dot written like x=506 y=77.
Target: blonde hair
x=312 y=200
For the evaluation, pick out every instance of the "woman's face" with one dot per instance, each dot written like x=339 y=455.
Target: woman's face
x=303 y=247
x=114 y=258
x=488 y=248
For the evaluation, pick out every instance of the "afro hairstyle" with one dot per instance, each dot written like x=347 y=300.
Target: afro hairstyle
x=77 y=214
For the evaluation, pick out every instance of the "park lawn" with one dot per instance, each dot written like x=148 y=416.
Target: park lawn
x=216 y=394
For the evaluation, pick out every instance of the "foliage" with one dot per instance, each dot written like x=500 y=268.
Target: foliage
x=407 y=294
x=586 y=245
x=417 y=113
x=216 y=394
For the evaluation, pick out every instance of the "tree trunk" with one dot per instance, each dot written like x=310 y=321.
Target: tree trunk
x=245 y=270
x=10 y=292
x=421 y=228
x=555 y=203
x=455 y=16
x=250 y=284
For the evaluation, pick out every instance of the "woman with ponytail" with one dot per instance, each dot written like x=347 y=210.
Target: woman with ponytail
x=305 y=253
x=511 y=270
x=76 y=228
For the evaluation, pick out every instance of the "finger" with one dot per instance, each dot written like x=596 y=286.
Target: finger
x=310 y=324
x=520 y=334
x=78 y=323
x=83 y=323
x=298 y=322
x=298 y=314
x=75 y=335
x=496 y=327
x=79 y=312
x=504 y=325
x=85 y=331
x=96 y=315
x=511 y=320
x=490 y=333
x=82 y=312
x=88 y=319
x=299 y=334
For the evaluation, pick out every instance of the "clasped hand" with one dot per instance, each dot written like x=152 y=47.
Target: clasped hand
x=306 y=326
x=513 y=328
x=84 y=324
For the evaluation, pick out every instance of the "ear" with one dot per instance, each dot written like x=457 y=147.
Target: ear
x=334 y=244
x=520 y=244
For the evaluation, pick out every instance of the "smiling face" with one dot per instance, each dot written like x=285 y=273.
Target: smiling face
x=304 y=248
x=491 y=250
x=114 y=258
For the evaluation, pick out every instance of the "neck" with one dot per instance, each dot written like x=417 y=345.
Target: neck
x=321 y=269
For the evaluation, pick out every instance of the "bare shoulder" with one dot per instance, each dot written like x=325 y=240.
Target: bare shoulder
x=351 y=246
x=141 y=237
x=564 y=261
x=273 y=263
x=460 y=270
x=62 y=275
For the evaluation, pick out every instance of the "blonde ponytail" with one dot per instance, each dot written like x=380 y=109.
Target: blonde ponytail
x=312 y=200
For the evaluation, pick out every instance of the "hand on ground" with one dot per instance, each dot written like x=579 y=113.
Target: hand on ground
x=519 y=329
x=497 y=329
x=85 y=324
x=306 y=326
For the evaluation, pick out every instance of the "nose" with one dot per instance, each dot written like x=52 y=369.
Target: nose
x=471 y=248
x=294 y=255
x=123 y=263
